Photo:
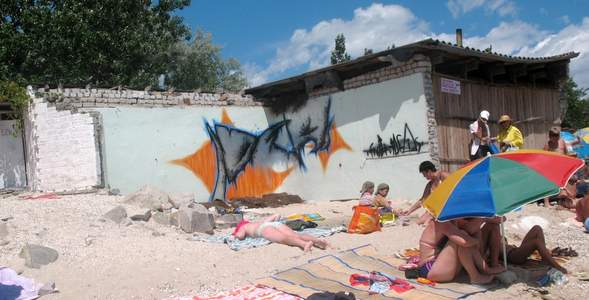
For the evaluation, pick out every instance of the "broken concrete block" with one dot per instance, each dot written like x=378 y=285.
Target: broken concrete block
x=228 y=220
x=117 y=214
x=179 y=199
x=195 y=217
x=36 y=256
x=149 y=197
x=162 y=218
x=139 y=214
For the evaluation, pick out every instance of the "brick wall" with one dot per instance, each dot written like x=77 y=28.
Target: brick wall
x=62 y=153
x=76 y=98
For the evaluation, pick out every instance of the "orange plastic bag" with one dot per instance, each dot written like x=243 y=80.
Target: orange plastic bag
x=365 y=220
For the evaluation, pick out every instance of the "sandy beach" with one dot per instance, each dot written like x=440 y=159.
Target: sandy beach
x=146 y=260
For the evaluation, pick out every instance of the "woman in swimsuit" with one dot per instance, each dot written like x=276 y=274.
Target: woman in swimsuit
x=460 y=250
x=277 y=232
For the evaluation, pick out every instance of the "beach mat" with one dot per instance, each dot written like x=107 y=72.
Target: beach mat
x=249 y=292
x=331 y=273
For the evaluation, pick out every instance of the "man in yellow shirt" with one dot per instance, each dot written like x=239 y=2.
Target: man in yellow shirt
x=509 y=138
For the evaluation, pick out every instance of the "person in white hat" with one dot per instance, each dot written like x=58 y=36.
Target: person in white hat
x=481 y=136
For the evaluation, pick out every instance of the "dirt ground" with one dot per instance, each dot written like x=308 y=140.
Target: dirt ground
x=102 y=260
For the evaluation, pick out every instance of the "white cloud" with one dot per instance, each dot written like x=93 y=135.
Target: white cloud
x=565 y=19
x=574 y=37
x=501 y=7
x=379 y=26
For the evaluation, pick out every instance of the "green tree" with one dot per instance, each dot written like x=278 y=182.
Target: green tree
x=577 y=114
x=105 y=43
x=198 y=64
x=339 y=55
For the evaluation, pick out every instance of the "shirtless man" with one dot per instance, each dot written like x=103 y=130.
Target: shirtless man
x=435 y=177
x=445 y=249
x=582 y=211
x=277 y=232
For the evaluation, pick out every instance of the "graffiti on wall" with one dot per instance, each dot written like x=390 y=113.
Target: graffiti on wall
x=237 y=163
x=398 y=145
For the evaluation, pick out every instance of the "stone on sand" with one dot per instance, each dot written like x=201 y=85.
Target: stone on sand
x=195 y=217
x=117 y=215
x=149 y=197
x=36 y=255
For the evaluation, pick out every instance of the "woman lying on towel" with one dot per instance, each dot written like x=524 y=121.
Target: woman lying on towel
x=276 y=232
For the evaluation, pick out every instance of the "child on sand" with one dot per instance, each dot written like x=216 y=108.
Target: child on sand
x=380 y=200
x=277 y=232
x=366 y=193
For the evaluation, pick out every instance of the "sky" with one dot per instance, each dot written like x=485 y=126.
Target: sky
x=276 y=39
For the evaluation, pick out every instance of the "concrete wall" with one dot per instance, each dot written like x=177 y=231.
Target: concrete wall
x=12 y=163
x=62 y=149
x=323 y=150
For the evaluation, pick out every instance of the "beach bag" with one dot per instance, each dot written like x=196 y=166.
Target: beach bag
x=366 y=219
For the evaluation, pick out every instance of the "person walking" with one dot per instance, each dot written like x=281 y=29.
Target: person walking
x=481 y=136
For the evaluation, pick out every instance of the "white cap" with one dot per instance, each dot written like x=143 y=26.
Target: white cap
x=485 y=115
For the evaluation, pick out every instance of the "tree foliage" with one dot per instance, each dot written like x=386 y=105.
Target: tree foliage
x=577 y=114
x=199 y=64
x=106 y=43
x=338 y=54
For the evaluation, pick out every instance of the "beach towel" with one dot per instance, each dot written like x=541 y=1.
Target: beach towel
x=312 y=217
x=332 y=273
x=249 y=292
x=249 y=242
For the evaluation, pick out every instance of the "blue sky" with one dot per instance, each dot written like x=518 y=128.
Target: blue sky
x=278 y=39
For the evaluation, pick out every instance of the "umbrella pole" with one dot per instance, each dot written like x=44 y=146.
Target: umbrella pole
x=503 y=242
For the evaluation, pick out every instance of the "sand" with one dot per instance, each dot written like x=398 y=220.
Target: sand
x=102 y=260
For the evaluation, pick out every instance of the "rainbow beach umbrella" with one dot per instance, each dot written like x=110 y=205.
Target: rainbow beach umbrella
x=498 y=184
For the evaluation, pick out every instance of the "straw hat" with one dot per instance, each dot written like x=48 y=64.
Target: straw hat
x=504 y=118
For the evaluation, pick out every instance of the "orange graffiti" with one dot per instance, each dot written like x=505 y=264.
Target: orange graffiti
x=253 y=181
x=337 y=143
x=256 y=181
x=202 y=163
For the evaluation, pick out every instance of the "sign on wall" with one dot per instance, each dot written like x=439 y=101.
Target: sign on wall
x=450 y=86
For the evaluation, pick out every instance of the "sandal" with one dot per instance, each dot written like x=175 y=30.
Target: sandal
x=555 y=251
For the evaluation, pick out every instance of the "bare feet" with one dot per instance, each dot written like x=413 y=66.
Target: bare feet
x=495 y=270
x=482 y=279
x=307 y=246
x=321 y=244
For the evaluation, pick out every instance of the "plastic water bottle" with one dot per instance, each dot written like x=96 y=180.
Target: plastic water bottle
x=557 y=277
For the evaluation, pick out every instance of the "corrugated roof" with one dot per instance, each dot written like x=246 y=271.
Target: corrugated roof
x=427 y=47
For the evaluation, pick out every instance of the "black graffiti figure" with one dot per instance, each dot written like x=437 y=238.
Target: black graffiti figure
x=398 y=144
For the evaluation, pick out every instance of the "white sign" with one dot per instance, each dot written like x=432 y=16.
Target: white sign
x=450 y=86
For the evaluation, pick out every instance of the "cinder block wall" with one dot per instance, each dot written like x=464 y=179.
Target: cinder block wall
x=62 y=154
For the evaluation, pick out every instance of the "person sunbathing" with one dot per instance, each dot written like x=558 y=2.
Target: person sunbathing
x=533 y=241
x=276 y=232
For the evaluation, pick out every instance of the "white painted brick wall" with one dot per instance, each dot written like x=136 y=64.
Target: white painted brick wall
x=61 y=148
